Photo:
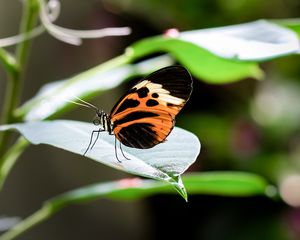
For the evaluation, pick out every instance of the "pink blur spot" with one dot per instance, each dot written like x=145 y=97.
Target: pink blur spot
x=172 y=33
x=130 y=182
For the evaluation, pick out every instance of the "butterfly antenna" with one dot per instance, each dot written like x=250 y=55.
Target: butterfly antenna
x=87 y=103
x=80 y=104
x=83 y=103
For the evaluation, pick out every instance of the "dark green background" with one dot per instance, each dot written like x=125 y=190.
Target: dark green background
x=236 y=129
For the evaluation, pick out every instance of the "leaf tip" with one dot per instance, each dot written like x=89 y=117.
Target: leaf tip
x=177 y=183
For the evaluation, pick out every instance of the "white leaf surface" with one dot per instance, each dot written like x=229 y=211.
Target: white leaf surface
x=254 y=41
x=166 y=161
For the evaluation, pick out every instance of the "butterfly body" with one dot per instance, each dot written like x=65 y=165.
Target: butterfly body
x=145 y=115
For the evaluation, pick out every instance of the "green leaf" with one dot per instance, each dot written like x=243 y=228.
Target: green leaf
x=233 y=184
x=52 y=99
x=166 y=161
x=237 y=184
x=224 y=54
x=202 y=63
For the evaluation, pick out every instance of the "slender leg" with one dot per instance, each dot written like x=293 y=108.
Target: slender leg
x=91 y=139
x=116 y=150
x=100 y=130
x=123 y=152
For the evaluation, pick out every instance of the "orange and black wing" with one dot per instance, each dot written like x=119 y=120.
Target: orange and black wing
x=145 y=115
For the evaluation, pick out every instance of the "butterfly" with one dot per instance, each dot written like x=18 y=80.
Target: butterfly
x=145 y=115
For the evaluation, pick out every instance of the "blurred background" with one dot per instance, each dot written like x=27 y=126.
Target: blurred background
x=250 y=125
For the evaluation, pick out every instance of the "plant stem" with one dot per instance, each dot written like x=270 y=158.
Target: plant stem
x=10 y=158
x=14 y=83
x=9 y=62
x=30 y=13
x=114 y=63
x=36 y=218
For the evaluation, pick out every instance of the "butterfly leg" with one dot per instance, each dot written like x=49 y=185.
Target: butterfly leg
x=116 y=151
x=123 y=152
x=91 y=139
x=98 y=133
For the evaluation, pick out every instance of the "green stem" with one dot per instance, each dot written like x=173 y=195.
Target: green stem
x=118 y=61
x=9 y=62
x=30 y=13
x=14 y=85
x=41 y=215
x=10 y=158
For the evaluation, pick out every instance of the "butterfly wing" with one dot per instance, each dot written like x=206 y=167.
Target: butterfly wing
x=145 y=115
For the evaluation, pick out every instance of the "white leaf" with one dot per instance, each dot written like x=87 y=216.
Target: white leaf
x=166 y=161
x=254 y=41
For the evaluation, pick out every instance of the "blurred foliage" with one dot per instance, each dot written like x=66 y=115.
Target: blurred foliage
x=194 y=14
x=249 y=125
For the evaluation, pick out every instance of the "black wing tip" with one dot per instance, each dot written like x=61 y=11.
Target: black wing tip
x=181 y=84
x=174 y=70
x=177 y=68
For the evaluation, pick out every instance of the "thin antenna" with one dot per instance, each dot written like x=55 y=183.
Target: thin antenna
x=80 y=104
x=87 y=103
x=83 y=103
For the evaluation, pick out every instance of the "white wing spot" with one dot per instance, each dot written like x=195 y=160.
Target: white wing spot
x=164 y=95
x=141 y=84
x=171 y=99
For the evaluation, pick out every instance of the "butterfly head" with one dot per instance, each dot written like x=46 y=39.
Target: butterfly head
x=98 y=120
x=103 y=119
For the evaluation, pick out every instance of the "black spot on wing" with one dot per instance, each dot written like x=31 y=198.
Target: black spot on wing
x=155 y=95
x=135 y=116
x=176 y=79
x=128 y=103
x=151 y=103
x=132 y=90
x=138 y=135
x=142 y=92
x=171 y=105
